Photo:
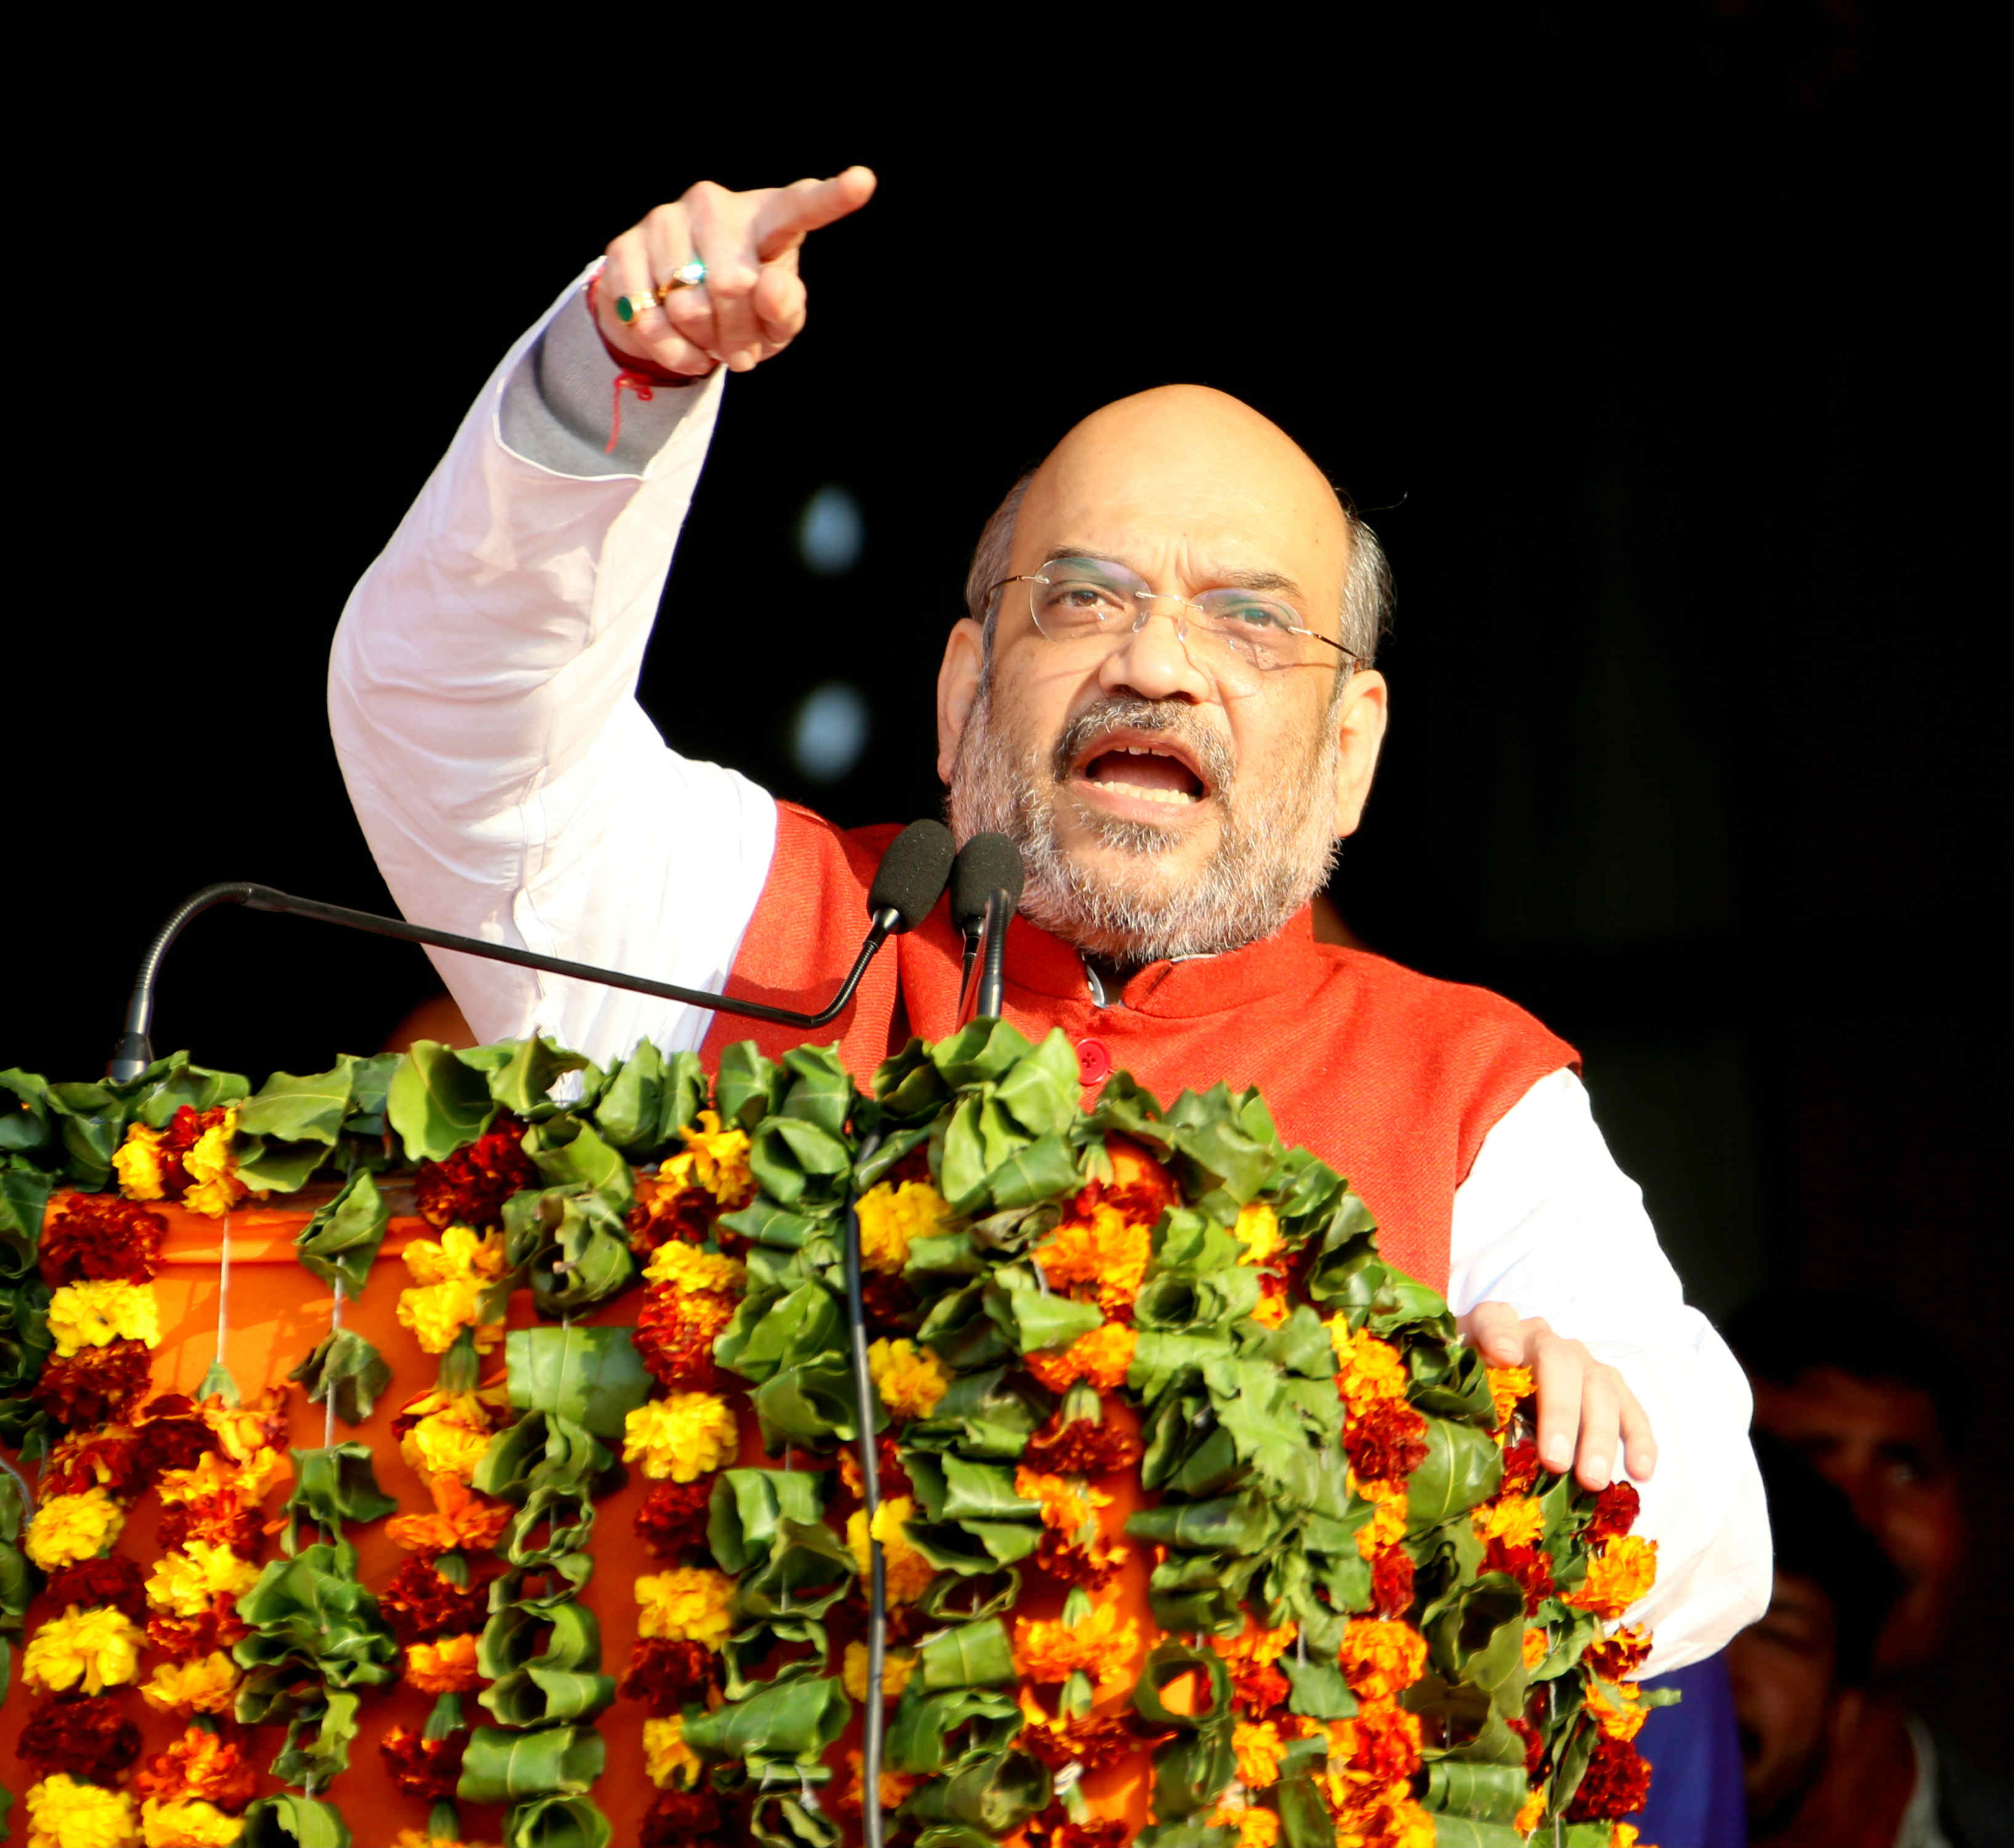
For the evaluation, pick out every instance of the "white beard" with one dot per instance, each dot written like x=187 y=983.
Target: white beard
x=1274 y=852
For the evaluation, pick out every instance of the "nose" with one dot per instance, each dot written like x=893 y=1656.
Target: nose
x=1151 y=659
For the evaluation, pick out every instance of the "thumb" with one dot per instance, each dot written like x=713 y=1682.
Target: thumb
x=1494 y=1330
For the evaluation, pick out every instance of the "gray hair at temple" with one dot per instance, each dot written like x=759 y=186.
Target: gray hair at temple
x=1367 y=587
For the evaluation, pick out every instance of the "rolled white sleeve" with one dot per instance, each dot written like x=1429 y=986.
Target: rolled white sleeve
x=482 y=697
x=1549 y=1224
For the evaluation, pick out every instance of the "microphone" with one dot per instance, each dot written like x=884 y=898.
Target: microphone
x=985 y=882
x=907 y=884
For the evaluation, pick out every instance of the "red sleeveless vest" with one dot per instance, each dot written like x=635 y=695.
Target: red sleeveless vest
x=1392 y=1078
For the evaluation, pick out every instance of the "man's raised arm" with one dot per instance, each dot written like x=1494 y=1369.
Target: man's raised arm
x=482 y=683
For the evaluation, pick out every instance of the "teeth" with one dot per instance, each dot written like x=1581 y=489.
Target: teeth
x=1180 y=798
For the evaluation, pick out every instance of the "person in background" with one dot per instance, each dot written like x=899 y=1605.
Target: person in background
x=1882 y=1422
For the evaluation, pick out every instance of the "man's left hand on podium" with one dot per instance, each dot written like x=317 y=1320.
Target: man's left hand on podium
x=1587 y=1411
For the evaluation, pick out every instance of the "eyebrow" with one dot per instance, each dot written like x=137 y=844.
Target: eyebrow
x=1234 y=580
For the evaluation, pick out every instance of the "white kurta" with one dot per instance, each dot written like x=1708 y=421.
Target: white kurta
x=482 y=694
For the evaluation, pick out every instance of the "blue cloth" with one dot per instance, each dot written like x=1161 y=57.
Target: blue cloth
x=1695 y=1755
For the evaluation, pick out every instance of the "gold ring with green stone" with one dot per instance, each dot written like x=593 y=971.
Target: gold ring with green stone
x=687 y=275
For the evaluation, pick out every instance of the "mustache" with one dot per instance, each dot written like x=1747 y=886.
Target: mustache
x=1211 y=754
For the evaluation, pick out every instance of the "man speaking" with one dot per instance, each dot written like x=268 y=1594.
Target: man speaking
x=1163 y=693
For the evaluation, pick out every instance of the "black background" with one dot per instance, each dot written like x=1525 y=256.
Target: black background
x=1665 y=338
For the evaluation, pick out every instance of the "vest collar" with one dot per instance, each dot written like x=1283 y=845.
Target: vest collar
x=1195 y=986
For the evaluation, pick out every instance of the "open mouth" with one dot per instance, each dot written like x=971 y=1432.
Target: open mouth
x=1144 y=768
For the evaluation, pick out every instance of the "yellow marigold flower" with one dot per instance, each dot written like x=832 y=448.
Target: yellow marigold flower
x=95 y=1649
x=68 y=1528
x=1108 y=1253
x=1537 y=1647
x=1270 y=1312
x=1619 y=1712
x=187 y=1822
x=1382 y=1657
x=1624 y=1835
x=458 y=1256
x=66 y=1813
x=438 y=1312
x=688 y=1604
x=910 y=1380
x=450 y=1440
x=208 y=1684
x=667 y=1756
x=1517 y=1520
x=908 y=1573
x=1256 y=1828
x=448 y=1666
x=1367 y=1370
x=1507 y=1385
x=1101 y=1357
x=1621 y=1571
x=897 y=1667
x=1259 y=1226
x=1259 y=1749
x=1389 y=1512
x=896 y=1787
x=137 y=1163
x=720 y=1160
x=90 y=1314
x=1106 y=1646
x=190 y=1580
x=1532 y=1812
x=684 y=1436
x=688 y=1269
x=892 y=1218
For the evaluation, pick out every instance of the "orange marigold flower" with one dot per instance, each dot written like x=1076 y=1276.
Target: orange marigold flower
x=1066 y=1505
x=1537 y=1647
x=461 y=1518
x=447 y=1666
x=1382 y=1657
x=1619 y=1574
x=1259 y=1749
x=1255 y=1646
x=1367 y=1370
x=1380 y=1744
x=1388 y=1509
x=1101 y=1357
x=1104 y=1252
x=1619 y=1712
x=1256 y=1828
x=1508 y=1385
x=907 y=1572
x=208 y=1765
x=1105 y=1645
x=1517 y=1520
x=1532 y=1812
x=1618 y=1656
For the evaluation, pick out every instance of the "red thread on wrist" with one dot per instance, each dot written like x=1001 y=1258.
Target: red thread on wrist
x=638 y=375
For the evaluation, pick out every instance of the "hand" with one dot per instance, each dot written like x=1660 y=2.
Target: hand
x=751 y=305
x=1584 y=1406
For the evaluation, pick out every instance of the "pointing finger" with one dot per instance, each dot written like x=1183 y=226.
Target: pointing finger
x=792 y=211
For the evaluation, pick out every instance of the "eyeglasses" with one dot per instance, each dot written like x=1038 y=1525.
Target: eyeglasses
x=1236 y=632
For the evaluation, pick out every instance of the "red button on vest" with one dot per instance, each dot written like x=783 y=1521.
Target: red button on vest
x=1093 y=1062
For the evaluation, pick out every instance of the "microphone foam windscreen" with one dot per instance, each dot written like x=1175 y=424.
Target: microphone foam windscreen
x=912 y=876
x=986 y=863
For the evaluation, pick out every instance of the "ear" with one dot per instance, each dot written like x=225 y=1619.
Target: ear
x=1360 y=721
x=958 y=686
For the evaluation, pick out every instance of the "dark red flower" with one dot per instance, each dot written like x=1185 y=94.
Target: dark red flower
x=109 y=1459
x=1616 y=1785
x=1532 y=1567
x=1521 y=1465
x=1092 y=1568
x=470 y=1186
x=117 y=1581
x=1617 y=1658
x=1392 y=1582
x=672 y=1520
x=1387 y=1443
x=892 y=1479
x=675 y=1336
x=90 y=1739
x=173 y=1434
x=915 y=1166
x=421 y=1604
x=685 y=1217
x=1092 y=1740
x=100 y=1236
x=1083 y=1447
x=1053 y=1828
x=664 y=1675
x=1260 y=1690
x=684 y=1819
x=182 y=1639
x=890 y=1303
x=1615 y=1510
x=95 y=1385
x=424 y=1769
x=222 y=1520
x=1534 y=1748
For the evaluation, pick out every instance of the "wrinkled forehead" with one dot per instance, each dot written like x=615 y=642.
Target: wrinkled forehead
x=1185 y=479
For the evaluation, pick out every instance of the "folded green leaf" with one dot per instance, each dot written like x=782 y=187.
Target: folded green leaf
x=557 y=1822
x=591 y=1376
x=1481 y=1792
x=436 y=1103
x=972 y=1656
x=339 y=1243
x=1462 y=1468
x=502 y=1767
x=292 y=1109
x=741 y=1518
x=291 y=1821
x=794 y=1719
x=336 y=1483
x=345 y=1368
